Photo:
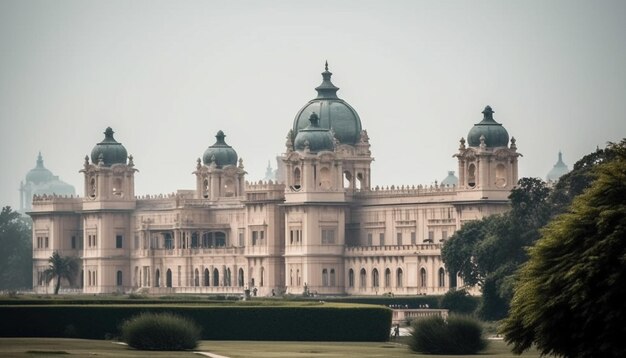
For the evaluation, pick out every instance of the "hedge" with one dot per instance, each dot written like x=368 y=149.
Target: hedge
x=327 y=322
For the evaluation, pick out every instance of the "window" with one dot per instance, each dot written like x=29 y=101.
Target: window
x=325 y=277
x=119 y=241
x=206 y=280
x=381 y=237
x=46 y=242
x=291 y=277
x=73 y=242
x=431 y=237
x=375 y=282
x=196 y=278
x=351 y=278
x=399 y=278
x=422 y=277
x=444 y=235
x=399 y=239
x=241 y=239
x=119 y=278
x=413 y=238
x=332 y=277
x=363 y=278
x=369 y=239
x=257 y=237
x=328 y=236
x=262 y=277
x=442 y=277
x=296 y=179
x=500 y=175
x=471 y=176
x=168 y=278
x=216 y=277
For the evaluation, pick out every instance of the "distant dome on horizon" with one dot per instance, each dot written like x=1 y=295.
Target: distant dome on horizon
x=558 y=170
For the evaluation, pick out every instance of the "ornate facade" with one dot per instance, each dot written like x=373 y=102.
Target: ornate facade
x=322 y=227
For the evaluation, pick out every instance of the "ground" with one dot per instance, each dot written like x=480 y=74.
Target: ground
x=59 y=347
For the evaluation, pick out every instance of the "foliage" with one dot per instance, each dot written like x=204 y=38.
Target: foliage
x=569 y=300
x=458 y=301
x=16 y=251
x=293 y=322
x=456 y=335
x=160 y=332
x=61 y=267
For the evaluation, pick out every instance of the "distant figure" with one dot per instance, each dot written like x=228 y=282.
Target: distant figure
x=254 y=291
x=396 y=331
x=273 y=293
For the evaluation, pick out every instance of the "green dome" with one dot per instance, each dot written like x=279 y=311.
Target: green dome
x=494 y=132
x=220 y=152
x=333 y=113
x=110 y=150
x=316 y=138
x=558 y=170
x=39 y=174
x=450 y=180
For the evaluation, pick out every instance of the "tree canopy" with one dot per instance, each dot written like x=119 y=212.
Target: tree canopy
x=569 y=299
x=61 y=267
x=16 y=251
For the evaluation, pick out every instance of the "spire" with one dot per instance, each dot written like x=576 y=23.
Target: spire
x=327 y=89
x=39 y=160
x=488 y=114
x=560 y=157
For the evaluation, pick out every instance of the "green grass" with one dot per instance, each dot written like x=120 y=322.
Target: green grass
x=42 y=347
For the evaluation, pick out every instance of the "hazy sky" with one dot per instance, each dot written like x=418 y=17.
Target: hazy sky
x=167 y=75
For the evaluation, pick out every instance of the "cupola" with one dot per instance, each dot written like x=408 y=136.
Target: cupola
x=493 y=132
x=313 y=137
x=220 y=153
x=109 y=150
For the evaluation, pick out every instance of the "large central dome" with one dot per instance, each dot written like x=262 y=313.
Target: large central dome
x=334 y=113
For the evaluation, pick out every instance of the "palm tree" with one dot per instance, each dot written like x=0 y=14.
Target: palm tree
x=61 y=267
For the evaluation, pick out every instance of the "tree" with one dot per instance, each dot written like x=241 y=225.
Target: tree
x=61 y=267
x=569 y=299
x=16 y=252
x=487 y=252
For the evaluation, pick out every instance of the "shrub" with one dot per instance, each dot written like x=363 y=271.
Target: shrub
x=456 y=335
x=458 y=301
x=160 y=332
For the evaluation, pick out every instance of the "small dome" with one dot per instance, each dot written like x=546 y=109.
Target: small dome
x=110 y=150
x=39 y=174
x=220 y=152
x=450 y=180
x=558 y=170
x=333 y=113
x=316 y=138
x=494 y=132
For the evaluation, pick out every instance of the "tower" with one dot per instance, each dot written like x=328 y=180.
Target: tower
x=488 y=165
x=108 y=203
x=220 y=176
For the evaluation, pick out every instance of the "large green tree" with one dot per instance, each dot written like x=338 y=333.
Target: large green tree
x=16 y=252
x=569 y=300
x=487 y=252
x=61 y=267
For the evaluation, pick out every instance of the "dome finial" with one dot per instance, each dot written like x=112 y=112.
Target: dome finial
x=220 y=137
x=39 y=160
x=108 y=133
x=326 y=66
x=488 y=113
x=327 y=89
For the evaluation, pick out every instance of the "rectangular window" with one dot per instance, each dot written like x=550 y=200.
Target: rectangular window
x=73 y=242
x=413 y=238
x=46 y=245
x=241 y=239
x=431 y=236
x=255 y=237
x=381 y=237
x=119 y=239
x=328 y=236
x=369 y=240
x=444 y=235
x=399 y=239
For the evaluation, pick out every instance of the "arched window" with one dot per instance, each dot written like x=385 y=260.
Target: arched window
x=205 y=188
x=262 y=279
x=324 y=277
x=422 y=277
x=291 y=277
x=227 y=277
x=500 y=175
x=347 y=179
x=168 y=278
x=471 y=175
x=359 y=181
x=332 y=277
x=297 y=184
x=229 y=188
x=298 y=278
x=196 y=278
x=207 y=279
x=351 y=278
x=117 y=187
x=399 y=278
x=375 y=282
x=442 y=277
x=387 y=277
x=363 y=278
x=216 y=277
x=92 y=188
x=240 y=280
x=157 y=278
x=119 y=278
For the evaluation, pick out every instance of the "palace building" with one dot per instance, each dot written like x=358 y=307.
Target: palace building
x=321 y=227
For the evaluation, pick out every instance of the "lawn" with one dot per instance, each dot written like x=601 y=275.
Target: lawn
x=58 y=347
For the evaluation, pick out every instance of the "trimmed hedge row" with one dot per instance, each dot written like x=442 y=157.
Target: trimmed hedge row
x=410 y=301
x=306 y=323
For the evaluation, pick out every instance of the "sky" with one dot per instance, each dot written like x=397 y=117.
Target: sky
x=167 y=75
